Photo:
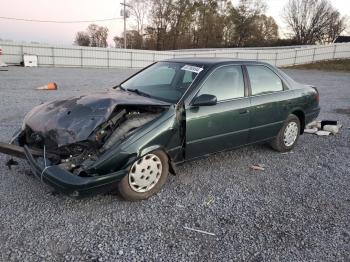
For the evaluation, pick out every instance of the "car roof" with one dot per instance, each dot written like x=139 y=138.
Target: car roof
x=210 y=61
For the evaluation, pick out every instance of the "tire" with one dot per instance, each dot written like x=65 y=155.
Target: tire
x=142 y=180
x=279 y=143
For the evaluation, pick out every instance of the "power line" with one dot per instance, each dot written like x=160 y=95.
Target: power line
x=58 y=22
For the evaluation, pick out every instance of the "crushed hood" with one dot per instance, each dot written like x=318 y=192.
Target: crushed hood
x=74 y=119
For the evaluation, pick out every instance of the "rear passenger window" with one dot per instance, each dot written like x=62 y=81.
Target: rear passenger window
x=263 y=80
x=225 y=83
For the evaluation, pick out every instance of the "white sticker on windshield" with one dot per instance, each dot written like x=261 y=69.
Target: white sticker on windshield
x=194 y=69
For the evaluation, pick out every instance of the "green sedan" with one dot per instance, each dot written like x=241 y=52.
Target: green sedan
x=129 y=139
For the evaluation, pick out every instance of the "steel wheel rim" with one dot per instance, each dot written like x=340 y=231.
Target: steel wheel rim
x=290 y=133
x=145 y=173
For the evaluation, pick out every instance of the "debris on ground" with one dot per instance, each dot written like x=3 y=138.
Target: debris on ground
x=180 y=206
x=199 y=231
x=311 y=130
x=11 y=163
x=323 y=128
x=334 y=129
x=286 y=153
x=328 y=122
x=210 y=201
x=49 y=86
x=323 y=133
x=259 y=167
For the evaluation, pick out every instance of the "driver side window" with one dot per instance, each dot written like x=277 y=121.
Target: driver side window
x=225 y=83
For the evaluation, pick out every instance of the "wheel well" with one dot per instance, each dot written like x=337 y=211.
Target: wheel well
x=300 y=114
x=172 y=168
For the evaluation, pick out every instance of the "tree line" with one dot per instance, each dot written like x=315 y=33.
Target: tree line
x=184 y=24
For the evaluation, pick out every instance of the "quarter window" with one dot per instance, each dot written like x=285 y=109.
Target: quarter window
x=263 y=80
x=225 y=83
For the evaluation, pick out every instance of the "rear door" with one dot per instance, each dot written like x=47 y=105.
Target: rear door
x=224 y=125
x=270 y=101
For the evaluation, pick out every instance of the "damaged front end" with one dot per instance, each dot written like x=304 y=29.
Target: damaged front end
x=82 y=146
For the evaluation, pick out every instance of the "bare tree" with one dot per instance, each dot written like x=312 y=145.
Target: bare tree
x=181 y=19
x=313 y=21
x=133 y=40
x=337 y=26
x=266 y=28
x=244 y=18
x=161 y=10
x=98 y=35
x=94 y=35
x=173 y=24
x=139 y=10
x=208 y=26
x=82 y=39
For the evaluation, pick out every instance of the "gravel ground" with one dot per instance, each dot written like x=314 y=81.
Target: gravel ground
x=296 y=210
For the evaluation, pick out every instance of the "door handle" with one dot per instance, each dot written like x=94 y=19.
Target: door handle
x=243 y=111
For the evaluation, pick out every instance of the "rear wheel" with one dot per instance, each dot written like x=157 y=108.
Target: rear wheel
x=146 y=177
x=288 y=135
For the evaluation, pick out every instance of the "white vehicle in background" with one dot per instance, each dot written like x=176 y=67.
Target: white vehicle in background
x=2 y=64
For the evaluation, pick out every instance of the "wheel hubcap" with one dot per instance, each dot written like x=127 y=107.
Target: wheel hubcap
x=290 y=133
x=145 y=173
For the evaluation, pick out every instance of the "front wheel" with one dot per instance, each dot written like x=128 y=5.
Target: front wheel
x=146 y=177
x=288 y=135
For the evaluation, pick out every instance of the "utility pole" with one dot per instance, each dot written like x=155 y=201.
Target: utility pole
x=125 y=17
x=124 y=25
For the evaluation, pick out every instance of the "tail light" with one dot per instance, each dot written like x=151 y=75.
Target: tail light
x=317 y=95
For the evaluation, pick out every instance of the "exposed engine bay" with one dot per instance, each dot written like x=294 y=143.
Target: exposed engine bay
x=76 y=156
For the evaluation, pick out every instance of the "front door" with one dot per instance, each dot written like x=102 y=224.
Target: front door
x=224 y=125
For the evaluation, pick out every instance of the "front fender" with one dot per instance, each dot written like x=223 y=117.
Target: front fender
x=163 y=135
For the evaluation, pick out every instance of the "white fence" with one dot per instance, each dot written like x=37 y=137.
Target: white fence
x=58 y=56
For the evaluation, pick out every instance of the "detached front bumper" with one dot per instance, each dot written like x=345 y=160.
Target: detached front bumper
x=71 y=184
x=63 y=180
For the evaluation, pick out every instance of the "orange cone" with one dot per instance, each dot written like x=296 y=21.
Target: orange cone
x=49 y=86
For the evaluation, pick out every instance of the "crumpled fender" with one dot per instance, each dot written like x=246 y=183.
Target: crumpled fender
x=161 y=134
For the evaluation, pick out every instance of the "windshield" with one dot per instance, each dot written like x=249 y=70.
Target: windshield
x=166 y=81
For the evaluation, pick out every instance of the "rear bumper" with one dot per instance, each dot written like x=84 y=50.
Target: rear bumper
x=71 y=184
x=312 y=115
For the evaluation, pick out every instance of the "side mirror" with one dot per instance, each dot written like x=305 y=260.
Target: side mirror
x=205 y=100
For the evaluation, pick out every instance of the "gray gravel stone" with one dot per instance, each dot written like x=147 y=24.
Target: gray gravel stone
x=296 y=210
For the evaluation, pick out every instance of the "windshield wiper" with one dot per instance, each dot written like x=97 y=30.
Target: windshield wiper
x=119 y=86
x=138 y=92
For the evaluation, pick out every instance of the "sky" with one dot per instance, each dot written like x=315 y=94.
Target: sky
x=78 y=10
